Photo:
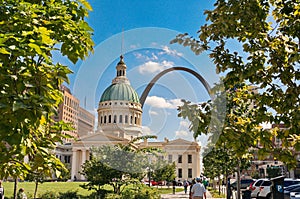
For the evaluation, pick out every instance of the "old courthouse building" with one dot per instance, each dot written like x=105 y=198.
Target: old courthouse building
x=120 y=120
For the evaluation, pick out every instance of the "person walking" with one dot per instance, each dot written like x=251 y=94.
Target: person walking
x=185 y=185
x=1 y=190
x=198 y=190
x=21 y=194
x=191 y=186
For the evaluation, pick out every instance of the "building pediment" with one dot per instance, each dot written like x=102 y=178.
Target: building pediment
x=98 y=139
x=179 y=142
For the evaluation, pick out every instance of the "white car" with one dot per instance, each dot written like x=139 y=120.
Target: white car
x=265 y=190
x=255 y=187
x=294 y=195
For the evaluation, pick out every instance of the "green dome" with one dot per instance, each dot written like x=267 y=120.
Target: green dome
x=120 y=91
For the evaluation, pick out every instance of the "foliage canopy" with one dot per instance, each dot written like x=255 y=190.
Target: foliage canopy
x=31 y=32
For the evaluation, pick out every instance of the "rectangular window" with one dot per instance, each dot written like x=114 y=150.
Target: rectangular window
x=190 y=173
x=179 y=173
x=179 y=158
x=67 y=159
x=190 y=158
x=170 y=157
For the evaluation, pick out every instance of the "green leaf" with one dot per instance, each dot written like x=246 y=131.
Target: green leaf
x=86 y=5
x=36 y=48
x=4 y=51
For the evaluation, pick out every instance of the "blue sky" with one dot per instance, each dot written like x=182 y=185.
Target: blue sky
x=149 y=26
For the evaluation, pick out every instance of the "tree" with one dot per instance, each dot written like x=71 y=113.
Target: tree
x=240 y=129
x=273 y=171
x=114 y=166
x=31 y=32
x=220 y=160
x=117 y=165
x=97 y=175
x=42 y=170
x=164 y=171
x=267 y=35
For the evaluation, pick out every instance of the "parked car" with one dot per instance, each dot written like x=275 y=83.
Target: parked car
x=244 y=184
x=152 y=182
x=289 y=181
x=255 y=187
x=265 y=190
x=291 y=189
x=178 y=183
x=294 y=195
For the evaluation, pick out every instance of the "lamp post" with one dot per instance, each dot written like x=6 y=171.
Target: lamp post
x=149 y=175
x=149 y=172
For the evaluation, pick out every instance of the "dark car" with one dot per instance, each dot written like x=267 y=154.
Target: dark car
x=244 y=184
x=288 y=182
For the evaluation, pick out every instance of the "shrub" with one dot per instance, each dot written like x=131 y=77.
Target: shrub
x=141 y=193
x=68 y=195
x=102 y=194
x=49 y=195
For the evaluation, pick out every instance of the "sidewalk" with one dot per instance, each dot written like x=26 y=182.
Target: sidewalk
x=183 y=195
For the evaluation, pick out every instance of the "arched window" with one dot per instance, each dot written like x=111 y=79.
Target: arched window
x=135 y=120
x=131 y=118
x=101 y=119
x=121 y=119
x=115 y=119
x=109 y=119
x=126 y=119
x=105 y=119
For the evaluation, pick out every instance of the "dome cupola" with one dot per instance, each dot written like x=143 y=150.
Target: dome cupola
x=120 y=88
x=120 y=111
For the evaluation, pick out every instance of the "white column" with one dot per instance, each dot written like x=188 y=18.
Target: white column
x=83 y=159
x=74 y=164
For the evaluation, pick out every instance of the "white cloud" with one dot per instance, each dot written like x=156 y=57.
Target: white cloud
x=144 y=57
x=184 y=124
x=154 y=57
x=159 y=102
x=181 y=133
x=153 y=113
x=154 y=67
x=154 y=44
x=168 y=51
x=133 y=46
x=138 y=55
x=146 y=130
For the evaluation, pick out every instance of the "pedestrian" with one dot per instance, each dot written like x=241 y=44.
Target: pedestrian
x=1 y=190
x=185 y=185
x=229 y=191
x=205 y=182
x=174 y=185
x=21 y=194
x=191 y=186
x=198 y=190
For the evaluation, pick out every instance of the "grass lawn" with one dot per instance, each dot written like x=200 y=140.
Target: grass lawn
x=44 y=187
x=63 y=187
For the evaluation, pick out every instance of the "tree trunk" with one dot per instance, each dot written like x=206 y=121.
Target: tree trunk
x=228 y=189
x=15 y=188
x=238 y=180
x=219 y=182
x=35 y=190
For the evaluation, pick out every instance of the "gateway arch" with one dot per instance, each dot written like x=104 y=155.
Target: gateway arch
x=159 y=75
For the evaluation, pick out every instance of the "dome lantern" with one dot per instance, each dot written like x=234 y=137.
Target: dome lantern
x=121 y=72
